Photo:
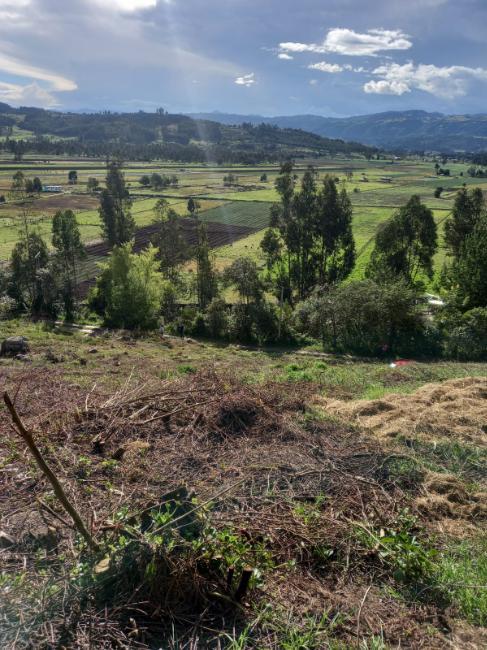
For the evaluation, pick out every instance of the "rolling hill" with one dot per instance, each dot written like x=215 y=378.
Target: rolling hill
x=394 y=130
x=161 y=135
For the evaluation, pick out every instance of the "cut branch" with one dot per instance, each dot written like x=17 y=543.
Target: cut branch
x=51 y=477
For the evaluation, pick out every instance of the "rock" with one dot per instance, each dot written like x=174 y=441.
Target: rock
x=93 y=351
x=6 y=540
x=13 y=346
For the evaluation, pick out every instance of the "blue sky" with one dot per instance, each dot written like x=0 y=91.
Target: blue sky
x=271 y=57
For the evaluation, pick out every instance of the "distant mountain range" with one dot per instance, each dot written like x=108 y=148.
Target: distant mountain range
x=394 y=130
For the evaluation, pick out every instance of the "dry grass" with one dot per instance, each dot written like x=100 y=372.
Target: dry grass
x=284 y=490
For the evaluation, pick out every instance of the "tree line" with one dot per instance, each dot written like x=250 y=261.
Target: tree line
x=305 y=289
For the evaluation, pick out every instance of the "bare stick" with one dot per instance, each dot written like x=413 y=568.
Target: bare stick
x=58 y=489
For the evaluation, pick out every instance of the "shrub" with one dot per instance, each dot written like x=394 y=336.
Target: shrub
x=466 y=335
x=130 y=289
x=217 y=318
x=364 y=316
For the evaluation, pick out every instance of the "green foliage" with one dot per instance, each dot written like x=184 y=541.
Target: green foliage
x=311 y=240
x=408 y=560
x=243 y=274
x=465 y=335
x=92 y=184
x=467 y=211
x=468 y=274
x=169 y=301
x=405 y=245
x=217 y=318
x=171 y=245
x=462 y=574
x=29 y=259
x=206 y=280
x=66 y=240
x=131 y=287
x=115 y=204
x=363 y=316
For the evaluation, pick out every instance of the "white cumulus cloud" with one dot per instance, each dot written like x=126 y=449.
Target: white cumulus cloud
x=285 y=56
x=246 y=80
x=351 y=43
x=447 y=82
x=323 y=66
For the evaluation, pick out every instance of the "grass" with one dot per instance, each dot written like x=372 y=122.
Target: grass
x=254 y=215
x=462 y=574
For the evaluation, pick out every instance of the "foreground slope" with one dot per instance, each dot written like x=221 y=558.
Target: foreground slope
x=192 y=478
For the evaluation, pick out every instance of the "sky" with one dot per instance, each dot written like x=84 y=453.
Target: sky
x=268 y=57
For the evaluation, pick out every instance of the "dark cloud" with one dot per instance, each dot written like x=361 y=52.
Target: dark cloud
x=188 y=54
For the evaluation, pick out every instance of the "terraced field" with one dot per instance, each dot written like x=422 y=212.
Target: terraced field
x=219 y=234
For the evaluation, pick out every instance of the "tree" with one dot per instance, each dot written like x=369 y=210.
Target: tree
x=29 y=256
x=115 y=205
x=468 y=209
x=438 y=192
x=92 y=185
x=405 y=245
x=29 y=186
x=170 y=243
x=217 y=317
x=193 y=207
x=73 y=177
x=157 y=181
x=243 y=274
x=66 y=240
x=37 y=185
x=336 y=246
x=129 y=288
x=18 y=190
x=263 y=178
x=145 y=180
x=206 y=280
x=311 y=240
x=469 y=270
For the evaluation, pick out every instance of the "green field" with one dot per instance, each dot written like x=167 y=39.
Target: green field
x=376 y=189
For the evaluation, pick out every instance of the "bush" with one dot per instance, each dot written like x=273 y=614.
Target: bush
x=129 y=289
x=217 y=318
x=466 y=335
x=364 y=316
x=255 y=322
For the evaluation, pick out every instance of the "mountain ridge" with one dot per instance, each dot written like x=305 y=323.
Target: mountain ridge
x=411 y=130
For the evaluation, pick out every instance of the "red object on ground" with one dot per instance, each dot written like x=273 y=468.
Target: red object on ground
x=403 y=362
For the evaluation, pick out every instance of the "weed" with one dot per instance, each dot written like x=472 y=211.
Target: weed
x=400 y=551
